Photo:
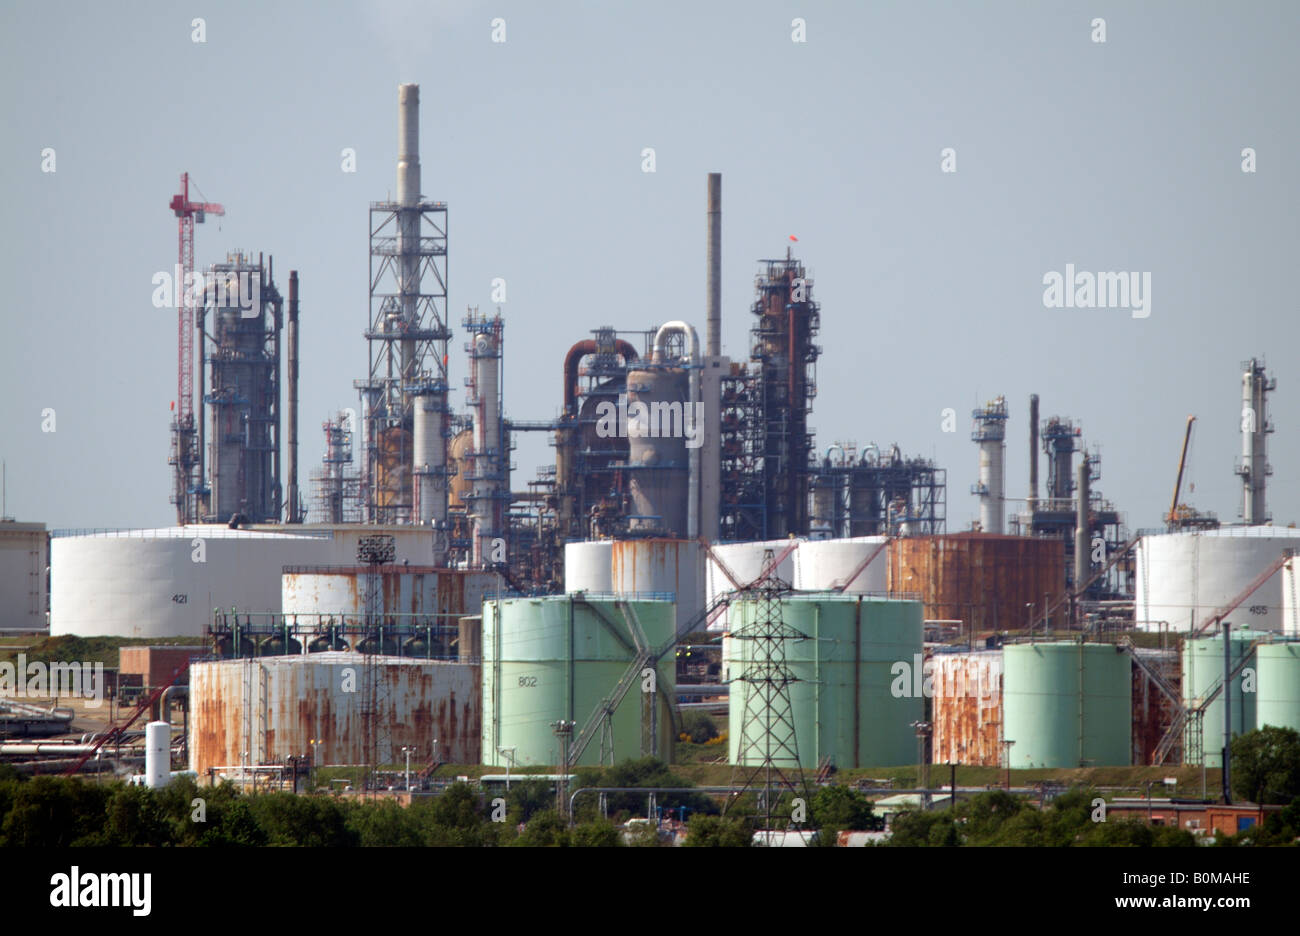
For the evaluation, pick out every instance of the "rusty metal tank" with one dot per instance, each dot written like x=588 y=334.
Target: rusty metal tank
x=987 y=581
x=967 y=708
x=261 y=712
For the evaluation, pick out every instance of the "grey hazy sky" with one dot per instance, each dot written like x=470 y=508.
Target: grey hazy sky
x=1117 y=156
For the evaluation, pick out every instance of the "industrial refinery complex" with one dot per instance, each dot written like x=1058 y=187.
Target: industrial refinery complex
x=414 y=601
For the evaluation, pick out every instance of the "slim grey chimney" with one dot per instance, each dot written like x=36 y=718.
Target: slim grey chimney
x=713 y=284
x=1033 y=458
x=294 y=515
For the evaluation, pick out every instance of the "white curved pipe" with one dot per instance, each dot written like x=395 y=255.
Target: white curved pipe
x=693 y=353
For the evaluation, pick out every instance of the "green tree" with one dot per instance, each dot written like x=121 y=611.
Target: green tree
x=55 y=812
x=699 y=726
x=308 y=821
x=596 y=834
x=1266 y=765
x=545 y=830
x=705 y=831
x=837 y=808
x=527 y=798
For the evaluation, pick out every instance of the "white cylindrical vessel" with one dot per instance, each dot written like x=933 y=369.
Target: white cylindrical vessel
x=745 y=561
x=157 y=754
x=1184 y=578
x=588 y=567
x=430 y=458
x=827 y=565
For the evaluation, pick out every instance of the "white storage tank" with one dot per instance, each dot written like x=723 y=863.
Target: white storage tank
x=745 y=561
x=22 y=576
x=404 y=590
x=1183 y=578
x=658 y=569
x=825 y=565
x=165 y=583
x=588 y=567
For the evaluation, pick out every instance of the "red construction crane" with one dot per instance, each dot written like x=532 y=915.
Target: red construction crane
x=187 y=213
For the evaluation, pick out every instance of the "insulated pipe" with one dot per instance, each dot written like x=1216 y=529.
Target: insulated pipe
x=408 y=217
x=831 y=448
x=293 y=516
x=713 y=273
x=1033 y=457
x=693 y=354
x=571 y=360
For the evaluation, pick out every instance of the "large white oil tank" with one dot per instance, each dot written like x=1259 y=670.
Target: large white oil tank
x=588 y=567
x=1183 y=578
x=165 y=583
x=826 y=565
x=661 y=568
x=745 y=562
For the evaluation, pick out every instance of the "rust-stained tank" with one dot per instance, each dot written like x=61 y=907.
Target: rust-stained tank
x=967 y=708
x=406 y=590
x=660 y=568
x=274 y=708
x=989 y=582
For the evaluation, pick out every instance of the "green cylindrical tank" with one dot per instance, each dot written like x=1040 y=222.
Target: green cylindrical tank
x=1202 y=672
x=1067 y=704
x=1277 y=701
x=856 y=691
x=558 y=658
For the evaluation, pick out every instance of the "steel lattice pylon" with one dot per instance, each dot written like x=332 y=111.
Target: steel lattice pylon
x=767 y=758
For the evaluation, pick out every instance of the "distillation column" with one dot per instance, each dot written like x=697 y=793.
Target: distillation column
x=990 y=432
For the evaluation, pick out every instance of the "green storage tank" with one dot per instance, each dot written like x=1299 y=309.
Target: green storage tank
x=1067 y=704
x=1202 y=672
x=842 y=706
x=1277 y=666
x=557 y=658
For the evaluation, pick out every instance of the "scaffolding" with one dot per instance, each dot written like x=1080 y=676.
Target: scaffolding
x=407 y=340
x=336 y=495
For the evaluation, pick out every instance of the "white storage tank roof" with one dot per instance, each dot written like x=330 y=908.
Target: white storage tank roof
x=1184 y=578
x=745 y=561
x=588 y=567
x=826 y=565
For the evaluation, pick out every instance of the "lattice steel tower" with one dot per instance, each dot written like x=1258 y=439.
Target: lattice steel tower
x=767 y=757
x=404 y=398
